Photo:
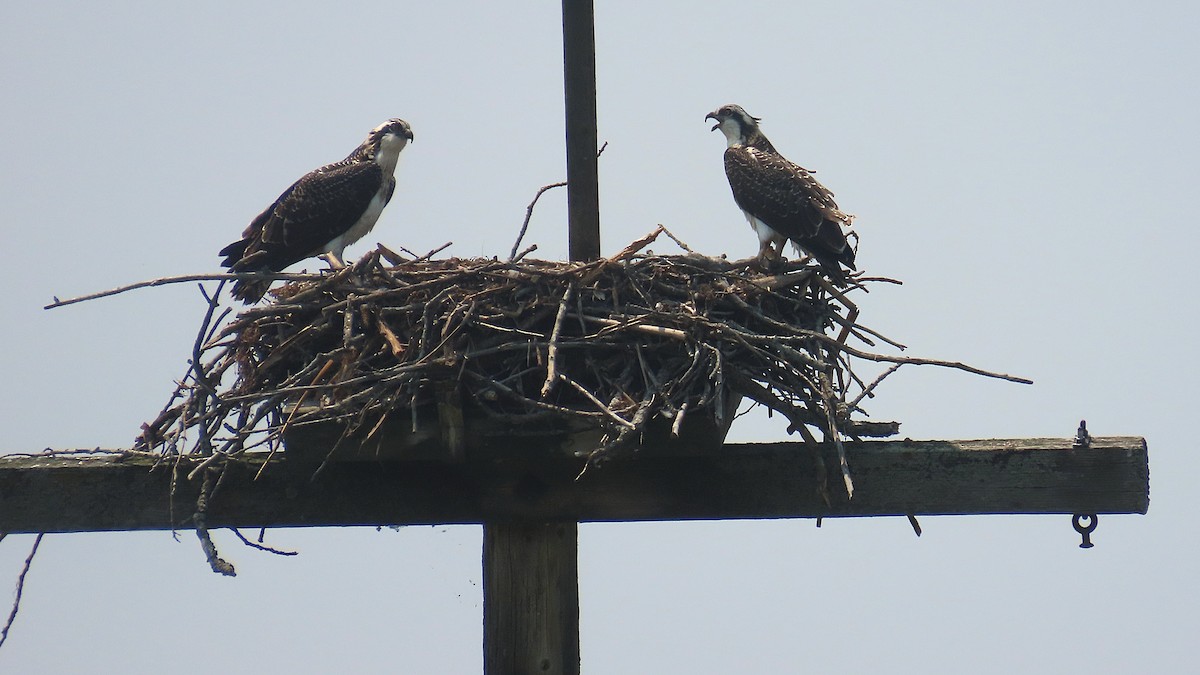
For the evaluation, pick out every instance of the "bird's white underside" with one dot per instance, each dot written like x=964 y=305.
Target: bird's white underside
x=359 y=229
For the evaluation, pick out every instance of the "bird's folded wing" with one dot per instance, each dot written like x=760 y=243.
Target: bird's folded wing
x=781 y=194
x=320 y=206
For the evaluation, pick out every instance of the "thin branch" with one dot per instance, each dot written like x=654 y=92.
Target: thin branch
x=530 y=249
x=916 y=526
x=597 y=402
x=552 y=350
x=183 y=279
x=635 y=246
x=914 y=360
x=512 y=256
x=200 y=519
x=869 y=390
x=831 y=422
x=678 y=423
x=434 y=252
x=677 y=240
x=635 y=324
x=507 y=391
x=261 y=547
x=12 y=616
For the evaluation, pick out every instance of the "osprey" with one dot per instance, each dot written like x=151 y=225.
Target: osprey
x=781 y=200
x=322 y=213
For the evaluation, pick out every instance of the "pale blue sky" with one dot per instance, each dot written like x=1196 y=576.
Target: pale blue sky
x=1027 y=168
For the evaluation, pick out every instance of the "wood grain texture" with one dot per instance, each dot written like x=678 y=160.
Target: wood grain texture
x=531 y=598
x=753 y=480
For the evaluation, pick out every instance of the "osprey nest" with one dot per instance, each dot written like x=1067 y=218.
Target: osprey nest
x=614 y=354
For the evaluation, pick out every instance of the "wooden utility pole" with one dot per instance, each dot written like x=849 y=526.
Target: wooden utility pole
x=531 y=597
x=579 y=89
x=530 y=568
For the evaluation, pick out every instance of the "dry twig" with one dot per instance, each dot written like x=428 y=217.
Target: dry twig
x=259 y=546
x=12 y=616
x=181 y=279
x=512 y=256
x=200 y=518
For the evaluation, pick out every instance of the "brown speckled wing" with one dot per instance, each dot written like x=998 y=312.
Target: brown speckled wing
x=790 y=200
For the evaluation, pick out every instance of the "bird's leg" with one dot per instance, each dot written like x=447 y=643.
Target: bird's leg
x=768 y=250
x=761 y=259
x=767 y=256
x=335 y=263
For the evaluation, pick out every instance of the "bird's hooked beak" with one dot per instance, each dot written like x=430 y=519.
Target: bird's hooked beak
x=713 y=116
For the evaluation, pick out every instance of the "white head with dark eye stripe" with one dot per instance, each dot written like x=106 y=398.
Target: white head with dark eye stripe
x=733 y=121
x=385 y=142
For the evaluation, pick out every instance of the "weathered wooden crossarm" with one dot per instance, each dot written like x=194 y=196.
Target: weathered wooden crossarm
x=753 y=480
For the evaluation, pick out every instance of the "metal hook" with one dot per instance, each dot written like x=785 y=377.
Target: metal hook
x=1082 y=438
x=1085 y=530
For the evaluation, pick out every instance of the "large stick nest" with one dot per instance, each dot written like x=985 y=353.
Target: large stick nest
x=616 y=345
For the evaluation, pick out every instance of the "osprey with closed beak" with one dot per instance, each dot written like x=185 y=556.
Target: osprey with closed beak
x=322 y=213
x=782 y=200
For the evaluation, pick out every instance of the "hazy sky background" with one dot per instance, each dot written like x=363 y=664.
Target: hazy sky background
x=1028 y=169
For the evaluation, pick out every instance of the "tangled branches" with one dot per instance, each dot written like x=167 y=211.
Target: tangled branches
x=632 y=348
